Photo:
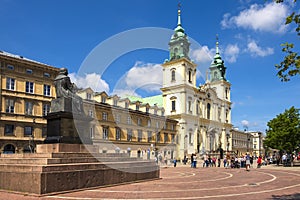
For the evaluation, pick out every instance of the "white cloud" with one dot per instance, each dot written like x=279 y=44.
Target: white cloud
x=203 y=54
x=145 y=76
x=245 y=123
x=231 y=52
x=269 y=17
x=256 y=50
x=92 y=80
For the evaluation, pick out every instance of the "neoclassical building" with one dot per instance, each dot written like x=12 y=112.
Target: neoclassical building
x=128 y=124
x=26 y=91
x=203 y=112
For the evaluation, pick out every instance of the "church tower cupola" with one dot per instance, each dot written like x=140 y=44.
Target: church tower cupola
x=179 y=45
x=217 y=67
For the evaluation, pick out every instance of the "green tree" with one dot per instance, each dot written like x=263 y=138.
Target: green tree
x=284 y=131
x=290 y=66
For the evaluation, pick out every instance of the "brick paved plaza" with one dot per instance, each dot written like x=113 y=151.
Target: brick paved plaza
x=183 y=182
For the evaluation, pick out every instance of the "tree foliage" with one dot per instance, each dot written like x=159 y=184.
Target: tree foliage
x=284 y=131
x=290 y=66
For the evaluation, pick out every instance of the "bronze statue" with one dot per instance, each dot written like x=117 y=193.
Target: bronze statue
x=66 y=89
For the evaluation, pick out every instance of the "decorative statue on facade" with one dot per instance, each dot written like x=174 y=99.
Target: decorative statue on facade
x=66 y=90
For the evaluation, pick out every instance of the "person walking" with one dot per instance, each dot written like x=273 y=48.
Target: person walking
x=175 y=162
x=259 y=161
x=248 y=162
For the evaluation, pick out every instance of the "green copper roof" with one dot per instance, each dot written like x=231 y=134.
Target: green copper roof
x=217 y=67
x=158 y=100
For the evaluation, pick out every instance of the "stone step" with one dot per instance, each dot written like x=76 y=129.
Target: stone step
x=75 y=166
x=40 y=161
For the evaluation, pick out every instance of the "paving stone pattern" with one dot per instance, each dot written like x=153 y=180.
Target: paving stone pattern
x=183 y=182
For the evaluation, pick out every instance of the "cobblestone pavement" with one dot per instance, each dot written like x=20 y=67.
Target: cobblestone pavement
x=183 y=182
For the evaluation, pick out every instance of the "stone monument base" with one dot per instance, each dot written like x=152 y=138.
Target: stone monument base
x=60 y=167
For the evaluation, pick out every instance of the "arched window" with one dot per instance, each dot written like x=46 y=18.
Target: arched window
x=173 y=75
x=208 y=111
x=9 y=149
x=190 y=76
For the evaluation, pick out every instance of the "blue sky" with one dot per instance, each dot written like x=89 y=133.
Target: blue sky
x=64 y=33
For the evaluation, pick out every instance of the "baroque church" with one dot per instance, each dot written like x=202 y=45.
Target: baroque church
x=203 y=112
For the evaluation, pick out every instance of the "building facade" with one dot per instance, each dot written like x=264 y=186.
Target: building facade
x=258 y=148
x=124 y=125
x=204 y=112
x=26 y=90
x=242 y=142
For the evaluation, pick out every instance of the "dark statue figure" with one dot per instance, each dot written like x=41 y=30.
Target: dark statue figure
x=65 y=89
x=67 y=122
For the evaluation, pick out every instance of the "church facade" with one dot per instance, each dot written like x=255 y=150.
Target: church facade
x=203 y=112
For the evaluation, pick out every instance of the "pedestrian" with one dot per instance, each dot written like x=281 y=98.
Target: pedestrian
x=195 y=160
x=284 y=159
x=219 y=161
x=259 y=161
x=175 y=162
x=225 y=161
x=248 y=162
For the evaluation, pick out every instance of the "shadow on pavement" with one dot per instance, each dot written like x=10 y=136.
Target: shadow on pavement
x=295 y=196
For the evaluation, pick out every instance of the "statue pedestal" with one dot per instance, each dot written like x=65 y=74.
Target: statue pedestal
x=66 y=127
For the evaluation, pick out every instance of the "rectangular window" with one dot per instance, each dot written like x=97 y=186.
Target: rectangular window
x=46 y=109
x=29 y=87
x=190 y=106
x=166 y=138
x=10 y=67
x=29 y=71
x=139 y=122
x=92 y=132
x=88 y=96
x=103 y=99
x=137 y=107
x=9 y=130
x=104 y=116
x=10 y=83
x=197 y=108
x=173 y=105
x=105 y=133
x=47 y=90
x=173 y=138
x=118 y=133
x=172 y=127
x=91 y=113
x=28 y=108
x=128 y=120
x=140 y=135
x=129 y=135
x=115 y=102
x=157 y=124
x=157 y=137
x=149 y=136
x=149 y=123
x=118 y=118
x=28 y=131
x=126 y=104
x=147 y=110
x=9 y=106
x=47 y=75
